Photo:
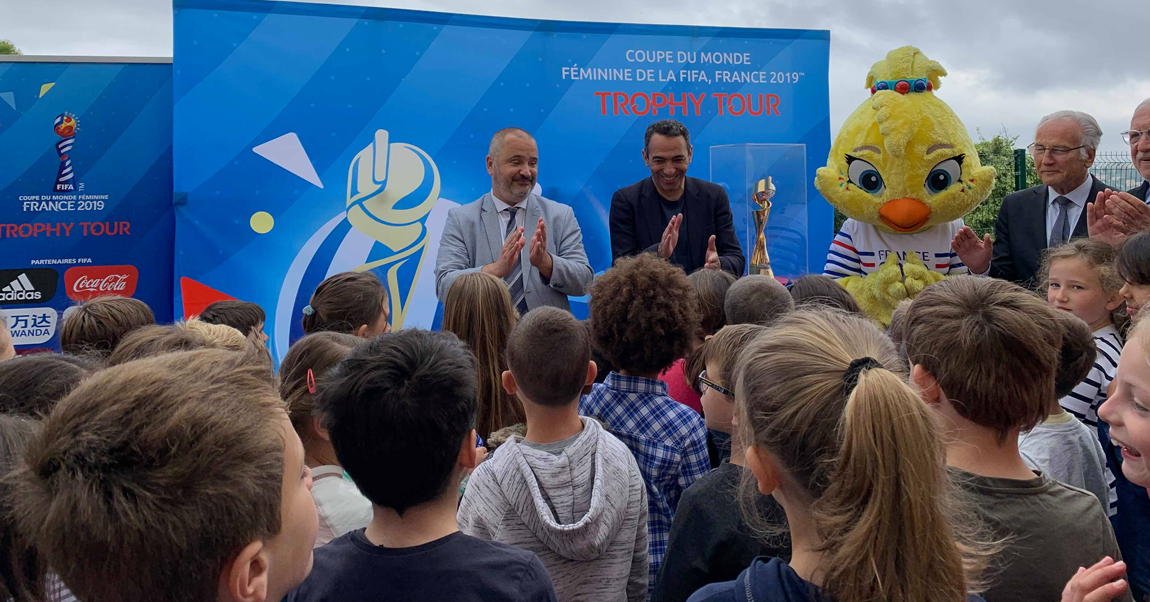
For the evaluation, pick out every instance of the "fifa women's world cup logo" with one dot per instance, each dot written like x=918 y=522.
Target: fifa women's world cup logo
x=389 y=195
x=65 y=128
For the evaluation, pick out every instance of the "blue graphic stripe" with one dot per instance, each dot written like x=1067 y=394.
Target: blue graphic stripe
x=846 y=257
x=848 y=268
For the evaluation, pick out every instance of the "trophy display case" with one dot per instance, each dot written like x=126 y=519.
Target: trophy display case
x=767 y=187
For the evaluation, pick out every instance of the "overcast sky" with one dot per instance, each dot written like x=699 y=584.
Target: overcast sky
x=1010 y=62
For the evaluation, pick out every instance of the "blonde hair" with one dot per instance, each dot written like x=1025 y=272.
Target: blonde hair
x=1102 y=259
x=219 y=336
x=478 y=310
x=870 y=461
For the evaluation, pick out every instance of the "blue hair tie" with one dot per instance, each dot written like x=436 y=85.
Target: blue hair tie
x=307 y=310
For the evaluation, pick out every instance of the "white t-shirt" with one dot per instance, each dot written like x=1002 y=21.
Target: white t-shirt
x=1068 y=451
x=338 y=502
x=860 y=249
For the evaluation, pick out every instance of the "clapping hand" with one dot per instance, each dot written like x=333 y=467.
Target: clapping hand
x=670 y=237
x=538 y=254
x=508 y=256
x=1099 y=583
x=712 y=262
x=973 y=252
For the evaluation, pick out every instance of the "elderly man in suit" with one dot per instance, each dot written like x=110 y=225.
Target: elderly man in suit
x=648 y=216
x=491 y=234
x=1044 y=216
x=1116 y=215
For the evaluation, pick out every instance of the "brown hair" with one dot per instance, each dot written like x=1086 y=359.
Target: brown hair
x=711 y=291
x=757 y=299
x=155 y=340
x=478 y=310
x=169 y=466
x=96 y=327
x=1101 y=257
x=32 y=384
x=244 y=316
x=318 y=353
x=724 y=348
x=218 y=336
x=548 y=353
x=1076 y=355
x=990 y=346
x=21 y=570
x=816 y=290
x=344 y=302
x=644 y=315
x=870 y=460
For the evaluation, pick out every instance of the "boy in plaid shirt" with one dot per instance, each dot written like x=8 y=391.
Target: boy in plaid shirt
x=644 y=316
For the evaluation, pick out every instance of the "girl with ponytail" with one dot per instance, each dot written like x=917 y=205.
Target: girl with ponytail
x=857 y=462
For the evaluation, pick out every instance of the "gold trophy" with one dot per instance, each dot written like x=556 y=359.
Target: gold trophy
x=760 y=261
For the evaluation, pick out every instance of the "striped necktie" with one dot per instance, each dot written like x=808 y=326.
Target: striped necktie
x=514 y=280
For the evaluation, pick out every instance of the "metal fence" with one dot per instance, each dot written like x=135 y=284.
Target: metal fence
x=1116 y=170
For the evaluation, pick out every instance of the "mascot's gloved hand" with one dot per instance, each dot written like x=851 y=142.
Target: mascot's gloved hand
x=878 y=293
x=917 y=275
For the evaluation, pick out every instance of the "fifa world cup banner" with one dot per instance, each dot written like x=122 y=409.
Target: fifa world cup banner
x=85 y=188
x=312 y=139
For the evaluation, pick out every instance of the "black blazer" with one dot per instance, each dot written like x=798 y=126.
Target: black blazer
x=1141 y=191
x=637 y=223
x=1020 y=233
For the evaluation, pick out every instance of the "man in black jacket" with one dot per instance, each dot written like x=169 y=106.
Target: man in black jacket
x=1045 y=216
x=1116 y=215
x=649 y=216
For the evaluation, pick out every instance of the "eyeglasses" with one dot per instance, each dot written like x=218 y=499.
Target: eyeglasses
x=1132 y=137
x=706 y=383
x=1058 y=152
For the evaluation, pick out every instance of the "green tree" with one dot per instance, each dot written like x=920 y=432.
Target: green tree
x=998 y=152
x=7 y=47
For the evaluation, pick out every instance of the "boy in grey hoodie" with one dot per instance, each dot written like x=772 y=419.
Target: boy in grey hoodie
x=569 y=490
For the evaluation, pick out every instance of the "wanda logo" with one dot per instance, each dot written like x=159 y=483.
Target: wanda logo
x=89 y=282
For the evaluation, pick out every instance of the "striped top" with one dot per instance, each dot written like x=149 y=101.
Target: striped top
x=860 y=249
x=1084 y=400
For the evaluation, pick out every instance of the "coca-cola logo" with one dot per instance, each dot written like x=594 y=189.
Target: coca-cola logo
x=89 y=282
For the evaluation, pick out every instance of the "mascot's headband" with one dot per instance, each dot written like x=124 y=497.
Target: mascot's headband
x=903 y=86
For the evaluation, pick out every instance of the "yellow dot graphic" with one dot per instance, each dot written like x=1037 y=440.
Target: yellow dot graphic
x=262 y=222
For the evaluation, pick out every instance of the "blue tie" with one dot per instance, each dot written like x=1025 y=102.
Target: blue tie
x=514 y=280
x=1060 y=233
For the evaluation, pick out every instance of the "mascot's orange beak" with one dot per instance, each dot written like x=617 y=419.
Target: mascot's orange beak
x=904 y=215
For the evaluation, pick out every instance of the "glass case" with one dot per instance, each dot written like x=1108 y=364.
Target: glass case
x=779 y=173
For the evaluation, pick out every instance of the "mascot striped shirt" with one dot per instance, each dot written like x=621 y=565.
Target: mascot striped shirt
x=860 y=249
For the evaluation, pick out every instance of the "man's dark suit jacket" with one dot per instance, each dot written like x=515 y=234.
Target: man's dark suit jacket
x=1141 y=191
x=1020 y=233
x=637 y=223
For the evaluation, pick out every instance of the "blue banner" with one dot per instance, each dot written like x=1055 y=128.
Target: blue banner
x=290 y=117
x=85 y=190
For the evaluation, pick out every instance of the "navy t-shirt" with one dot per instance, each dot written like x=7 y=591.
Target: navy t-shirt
x=457 y=567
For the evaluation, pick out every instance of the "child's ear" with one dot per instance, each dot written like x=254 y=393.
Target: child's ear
x=320 y=431
x=762 y=465
x=928 y=388
x=1114 y=301
x=469 y=456
x=245 y=579
x=509 y=383
x=361 y=332
x=592 y=372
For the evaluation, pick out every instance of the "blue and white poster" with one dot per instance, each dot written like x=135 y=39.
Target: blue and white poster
x=313 y=139
x=85 y=189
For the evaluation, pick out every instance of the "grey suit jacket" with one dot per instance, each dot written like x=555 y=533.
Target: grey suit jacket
x=472 y=239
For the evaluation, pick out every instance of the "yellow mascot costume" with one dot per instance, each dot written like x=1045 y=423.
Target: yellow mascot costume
x=904 y=172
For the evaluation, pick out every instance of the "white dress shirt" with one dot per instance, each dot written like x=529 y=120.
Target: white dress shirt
x=504 y=215
x=1078 y=199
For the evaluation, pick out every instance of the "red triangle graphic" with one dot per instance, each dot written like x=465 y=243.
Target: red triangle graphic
x=198 y=296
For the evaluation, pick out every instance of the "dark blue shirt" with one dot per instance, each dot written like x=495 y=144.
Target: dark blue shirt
x=458 y=567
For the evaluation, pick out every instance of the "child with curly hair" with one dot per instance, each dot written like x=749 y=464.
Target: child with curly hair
x=644 y=316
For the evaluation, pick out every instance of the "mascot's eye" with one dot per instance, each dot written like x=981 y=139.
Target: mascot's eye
x=865 y=176
x=943 y=175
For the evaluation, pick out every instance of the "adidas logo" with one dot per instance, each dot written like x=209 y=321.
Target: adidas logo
x=20 y=290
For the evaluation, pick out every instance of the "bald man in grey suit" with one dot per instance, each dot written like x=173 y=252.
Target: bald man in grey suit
x=533 y=244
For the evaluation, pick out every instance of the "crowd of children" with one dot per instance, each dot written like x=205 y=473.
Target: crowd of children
x=698 y=438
